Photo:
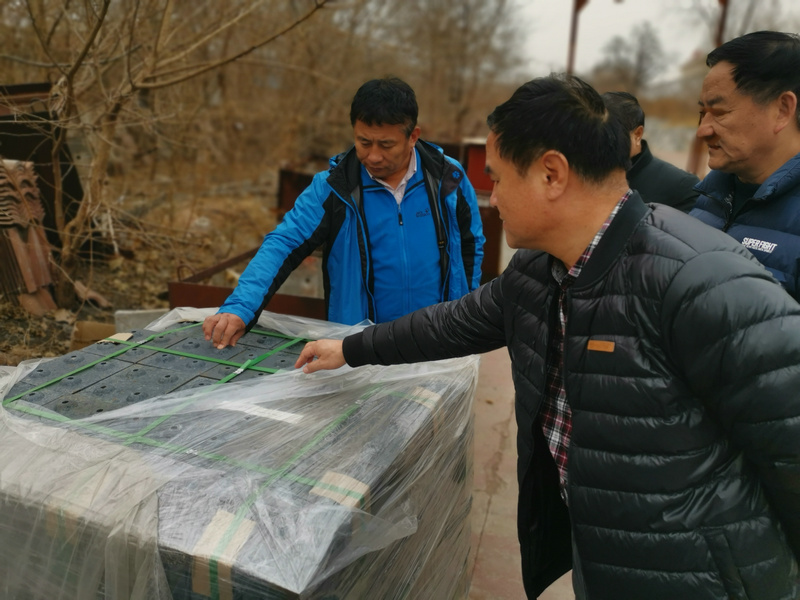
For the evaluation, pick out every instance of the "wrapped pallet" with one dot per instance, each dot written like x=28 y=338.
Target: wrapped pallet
x=156 y=466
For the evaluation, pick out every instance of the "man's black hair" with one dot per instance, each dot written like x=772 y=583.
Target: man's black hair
x=388 y=101
x=765 y=64
x=626 y=108
x=563 y=113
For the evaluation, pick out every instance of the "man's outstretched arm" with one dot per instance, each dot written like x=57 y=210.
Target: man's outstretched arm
x=470 y=325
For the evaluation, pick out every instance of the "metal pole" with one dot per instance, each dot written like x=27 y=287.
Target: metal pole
x=577 y=5
x=696 y=151
x=721 y=28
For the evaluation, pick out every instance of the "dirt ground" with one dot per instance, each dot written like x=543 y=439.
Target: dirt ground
x=180 y=236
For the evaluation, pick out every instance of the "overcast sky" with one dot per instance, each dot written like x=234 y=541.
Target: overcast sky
x=548 y=22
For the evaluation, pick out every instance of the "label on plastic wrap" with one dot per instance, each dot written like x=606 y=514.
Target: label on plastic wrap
x=343 y=489
x=260 y=411
x=430 y=400
x=221 y=542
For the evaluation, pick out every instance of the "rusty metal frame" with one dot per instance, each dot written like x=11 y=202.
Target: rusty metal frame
x=23 y=97
x=190 y=291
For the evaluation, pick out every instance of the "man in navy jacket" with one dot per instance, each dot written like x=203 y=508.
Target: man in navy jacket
x=750 y=119
x=397 y=220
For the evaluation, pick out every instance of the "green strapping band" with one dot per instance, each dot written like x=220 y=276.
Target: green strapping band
x=245 y=507
x=140 y=436
x=8 y=401
x=130 y=345
x=241 y=368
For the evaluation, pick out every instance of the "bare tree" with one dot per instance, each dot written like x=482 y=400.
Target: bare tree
x=631 y=64
x=457 y=48
x=741 y=16
x=165 y=93
x=113 y=59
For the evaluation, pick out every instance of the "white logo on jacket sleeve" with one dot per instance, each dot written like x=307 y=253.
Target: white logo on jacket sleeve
x=754 y=244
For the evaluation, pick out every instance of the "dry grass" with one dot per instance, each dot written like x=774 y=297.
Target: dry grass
x=186 y=234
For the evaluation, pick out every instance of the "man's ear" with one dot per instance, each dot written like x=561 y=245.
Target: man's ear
x=636 y=140
x=555 y=171
x=414 y=135
x=786 y=105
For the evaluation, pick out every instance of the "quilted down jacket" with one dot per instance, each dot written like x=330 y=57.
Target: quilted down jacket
x=684 y=462
x=768 y=224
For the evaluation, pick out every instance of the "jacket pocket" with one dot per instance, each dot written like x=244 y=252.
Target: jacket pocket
x=726 y=568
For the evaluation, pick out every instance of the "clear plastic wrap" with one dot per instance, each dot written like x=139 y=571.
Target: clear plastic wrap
x=160 y=467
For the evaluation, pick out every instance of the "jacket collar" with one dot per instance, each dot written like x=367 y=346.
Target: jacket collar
x=614 y=240
x=345 y=173
x=432 y=158
x=719 y=185
x=641 y=160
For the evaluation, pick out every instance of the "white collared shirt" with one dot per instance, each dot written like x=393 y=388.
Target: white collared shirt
x=400 y=190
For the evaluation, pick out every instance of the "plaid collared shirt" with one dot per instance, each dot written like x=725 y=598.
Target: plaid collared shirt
x=555 y=415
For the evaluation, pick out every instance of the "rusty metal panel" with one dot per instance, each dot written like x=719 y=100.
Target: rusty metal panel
x=453 y=150
x=290 y=185
x=27 y=132
x=189 y=291
x=474 y=154
x=198 y=295
x=493 y=232
x=26 y=97
x=475 y=163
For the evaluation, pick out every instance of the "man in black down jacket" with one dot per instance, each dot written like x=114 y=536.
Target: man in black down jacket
x=656 y=366
x=655 y=179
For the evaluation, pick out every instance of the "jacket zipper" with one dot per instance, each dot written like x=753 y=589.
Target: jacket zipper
x=728 y=212
x=403 y=250
x=360 y=232
x=567 y=296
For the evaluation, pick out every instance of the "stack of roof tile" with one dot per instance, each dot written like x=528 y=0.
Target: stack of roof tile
x=24 y=250
x=159 y=467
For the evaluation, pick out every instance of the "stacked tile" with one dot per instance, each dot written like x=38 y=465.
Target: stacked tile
x=24 y=250
x=160 y=467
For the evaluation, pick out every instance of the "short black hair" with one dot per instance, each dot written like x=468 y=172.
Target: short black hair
x=563 y=113
x=387 y=101
x=626 y=108
x=765 y=64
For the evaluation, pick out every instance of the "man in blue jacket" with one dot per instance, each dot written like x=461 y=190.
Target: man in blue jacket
x=398 y=222
x=750 y=119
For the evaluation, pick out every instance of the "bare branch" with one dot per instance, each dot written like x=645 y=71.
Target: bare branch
x=34 y=63
x=42 y=40
x=162 y=29
x=153 y=82
x=90 y=40
x=281 y=65
x=56 y=23
x=212 y=34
